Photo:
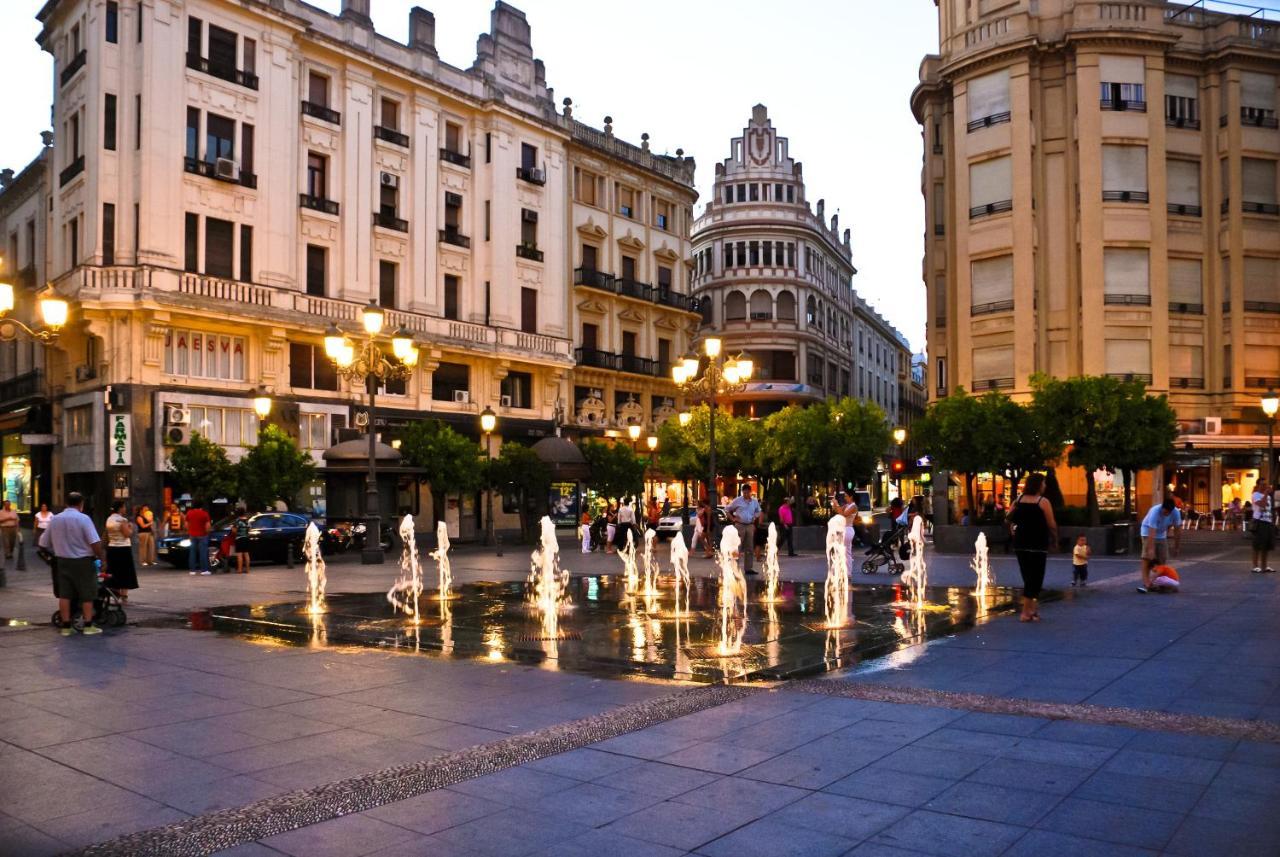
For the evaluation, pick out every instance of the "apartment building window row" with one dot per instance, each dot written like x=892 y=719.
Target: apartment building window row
x=198 y=354
x=1124 y=173
x=310 y=368
x=1123 y=80
x=988 y=101
x=1181 y=101
x=1126 y=276
x=219 y=246
x=1186 y=291
x=1257 y=99
x=224 y=54
x=759 y=192
x=775 y=254
x=990 y=187
x=1183 y=182
x=991 y=285
x=221 y=157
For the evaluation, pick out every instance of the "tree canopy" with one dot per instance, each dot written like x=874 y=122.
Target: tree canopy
x=451 y=461
x=275 y=467
x=616 y=471
x=202 y=469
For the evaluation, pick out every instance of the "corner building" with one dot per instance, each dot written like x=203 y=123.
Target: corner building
x=774 y=280
x=1101 y=198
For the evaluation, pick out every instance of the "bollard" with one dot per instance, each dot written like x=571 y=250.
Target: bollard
x=288 y=555
x=497 y=543
x=22 y=553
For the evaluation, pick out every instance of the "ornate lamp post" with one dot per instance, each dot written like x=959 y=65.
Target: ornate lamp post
x=721 y=377
x=262 y=403
x=366 y=360
x=899 y=438
x=1271 y=404
x=488 y=422
x=652 y=442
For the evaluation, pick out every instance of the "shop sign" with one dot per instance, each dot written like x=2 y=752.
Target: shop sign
x=120 y=446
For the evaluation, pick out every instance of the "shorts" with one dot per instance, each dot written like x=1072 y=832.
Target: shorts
x=1156 y=550
x=77 y=580
x=1264 y=536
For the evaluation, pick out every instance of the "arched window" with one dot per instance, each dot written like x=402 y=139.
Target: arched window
x=735 y=306
x=786 y=306
x=707 y=307
x=761 y=305
x=810 y=310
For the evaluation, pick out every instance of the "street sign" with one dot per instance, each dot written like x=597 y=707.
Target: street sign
x=120 y=445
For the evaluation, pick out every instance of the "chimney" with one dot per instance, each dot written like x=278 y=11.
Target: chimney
x=422 y=30
x=357 y=11
x=6 y=178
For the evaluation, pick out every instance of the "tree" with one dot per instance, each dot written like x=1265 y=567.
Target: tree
x=202 y=469
x=1146 y=435
x=275 y=467
x=1016 y=438
x=450 y=461
x=1088 y=412
x=616 y=471
x=519 y=469
x=859 y=434
x=952 y=432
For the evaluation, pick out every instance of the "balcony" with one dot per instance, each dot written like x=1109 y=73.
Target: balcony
x=633 y=289
x=939 y=229
x=595 y=359
x=451 y=235
x=69 y=71
x=73 y=169
x=942 y=391
x=1126 y=300
x=991 y=307
x=210 y=170
x=390 y=135
x=28 y=385
x=1184 y=210
x=1257 y=117
x=1182 y=122
x=675 y=300
x=321 y=112
x=531 y=175
x=1261 y=306
x=388 y=220
x=984 y=122
x=529 y=251
x=636 y=365
x=990 y=208
x=992 y=383
x=231 y=74
x=1259 y=207
x=1260 y=382
x=449 y=156
x=762 y=316
x=317 y=203
x=1144 y=377
x=594 y=279
x=1186 y=309
x=1125 y=196
x=1186 y=383
x=1122 y=105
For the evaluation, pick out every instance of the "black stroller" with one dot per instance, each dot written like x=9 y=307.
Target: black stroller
x=889 y=551
x=108 y=609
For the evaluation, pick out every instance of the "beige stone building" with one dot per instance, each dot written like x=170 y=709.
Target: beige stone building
x=1100 y=186
x=230 y=178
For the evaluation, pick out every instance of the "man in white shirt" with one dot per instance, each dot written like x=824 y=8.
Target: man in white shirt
x=1264 y=528
x=744 y=511
x=75 y=544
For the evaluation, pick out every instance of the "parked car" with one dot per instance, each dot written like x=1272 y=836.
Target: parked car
x=270 y=535
x=669 y=525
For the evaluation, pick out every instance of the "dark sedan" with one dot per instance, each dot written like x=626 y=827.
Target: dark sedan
x=271 y=534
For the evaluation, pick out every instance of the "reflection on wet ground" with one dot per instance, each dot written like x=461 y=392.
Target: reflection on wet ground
x=603 y=628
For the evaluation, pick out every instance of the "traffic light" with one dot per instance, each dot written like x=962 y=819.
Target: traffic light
x=897 y=466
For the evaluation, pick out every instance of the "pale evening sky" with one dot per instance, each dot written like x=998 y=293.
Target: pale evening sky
x=836 y=76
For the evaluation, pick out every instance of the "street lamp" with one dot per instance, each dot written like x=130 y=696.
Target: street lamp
x=721 y=377
x=366 y=359
x=900 y=437
x=1270 y=404
x=261 y=403
x=53 y=312
x=652 y=442
x=488 y=422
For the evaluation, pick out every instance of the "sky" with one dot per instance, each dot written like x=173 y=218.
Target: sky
x=836 y=76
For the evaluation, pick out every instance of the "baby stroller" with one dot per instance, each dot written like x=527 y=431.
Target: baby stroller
x=108 y=609
x=887 y=552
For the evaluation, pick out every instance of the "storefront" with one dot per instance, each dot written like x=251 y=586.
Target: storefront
x=15 y=467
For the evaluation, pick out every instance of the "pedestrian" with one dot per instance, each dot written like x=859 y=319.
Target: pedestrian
x=75 y=544
x=702 y=529
x=654 y=513
x=1080 y=562
x=1155 y=537
x=585 y=529
x=280 y=505
x=197 y=523
x=240 y=541
x=8 y=528
x=610 y=527
x=1264 y=528
x=121 y=575
x=626 y=524
x=787 y=522
x=145 y=521
x=849 y=511
x=174 y=520
x=666 y=506
x=1034 y=531
x=42 y=519
x=744 y=512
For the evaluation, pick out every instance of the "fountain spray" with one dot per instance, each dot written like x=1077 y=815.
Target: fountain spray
x=916 y=576
x=628 y=556
x=837 y=585
x=680 y=566
x=315 y=570
x=548 y=584
x=650 y=564
x=981 y=566
x=406 y=591
x=771 y=568
x=733 y=591
x=441 y=556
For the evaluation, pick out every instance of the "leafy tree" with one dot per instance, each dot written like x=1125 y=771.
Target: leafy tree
x=202 y=469
x=859 y=434
x=451 y=461
x=616 y=471
x=952 y=431
x=1146 y=435
x=1016 y=437
x=1089 y=412
x=682 y=450
x=518 y=469
x=275 y=467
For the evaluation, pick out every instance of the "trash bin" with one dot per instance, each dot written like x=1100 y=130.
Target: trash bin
x=1120 y=539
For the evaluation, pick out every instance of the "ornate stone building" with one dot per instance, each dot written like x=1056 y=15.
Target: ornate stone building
x=774 y=280
x=1101 y=192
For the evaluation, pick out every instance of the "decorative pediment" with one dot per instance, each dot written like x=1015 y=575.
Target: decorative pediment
x=384 y=246
x=630 y=413
x=529 y=274
x=453 y=261
x=593 y=306
x=631 y=314
x=318 y=227
x=591 y=230
x=666 y=254
x=630 y=242
x=666 y=322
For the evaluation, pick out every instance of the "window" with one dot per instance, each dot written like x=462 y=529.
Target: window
x=1184 y=187
x=761 y=305
x=75 y=136
x=629 y=268
x=662 y=214
x=488 y=147
x=219 y=137
x=988 y=100
x=590 y=337
x=1124 y=173
x=1261 y=284
x=450 y=378
x=791 y=193
x=222 y=50
x=1259 y=185
x=993 y=367
x=768 y=254
x=139 y=35
x=742 y=193
x=728 y=255
x=518 y=386
x=246 y=253
x=218 y=239
x=317 y=270
x=1126 y=276
x=195 y=354
x=310 y=368
x=112 y=21
x=589 y=258
x=740 y=248
x=191 y=244
x=753 y=192
x=195 y=39
x=393 y=386
x=664 y=278
x=728 y=193
x=388 y=199
x=452 y=210
x=529 y=310
x=137 y=118
x=1258 y=99
x=453 y=137
x=225 y=426
x=753 y=253
x=249 y=61
x=386 y=283
x=786 y=306
x=246 y=148
x=777 y=192
x=1185 y=291
x=487 y=218
x=390 y=114
x=991 y=285
x=109 y=122
x=1122 y=83
x=664 y=355
x=108 y=234
x=1126 y=357
x=629 y=343
x=735 y=306
x=193 y=133
x=626 y=201
x=941 y=367
x=317 y=89
x=1181 y=101
x=991 y=186
x=1186 y=366
x=451 y=296
x=1261 y=365
x=584 y=186
x=79 y=422
x=137 y=230
x=939 y=210
x=528 y=157
x=313 y=431
x=317 y=176
x=528 y=227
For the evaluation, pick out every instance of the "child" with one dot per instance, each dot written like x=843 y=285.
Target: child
x=1080 y=563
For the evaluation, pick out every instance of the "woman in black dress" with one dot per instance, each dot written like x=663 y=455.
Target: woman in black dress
x=1034 y=533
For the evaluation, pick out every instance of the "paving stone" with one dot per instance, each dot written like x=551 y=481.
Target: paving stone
x=514 y=786
x=878 y=783
x=645 y=745
x=1088 y=733
x=681 y=825
x=950 y=835
x=1199 y=836
x=994 y=803
x=954 y=764
x=591 y=804
x=750 y=795
x=847 y=817
x=1046 y=843
x=349 y=835
x=1145 y=792
x=876 y=849
x=23 y=840
x=1059 y=752
x=814 y=765
x=511 y=832
x=584 y=764
x=1258 y=778
x=772 y=838
x=716 y=757
x=1257 y=753
x=1000 y=724
x=660 y=780
x=946 y=738
x=1127 y=825
x=1229 y=803
x=595 y=843
x=1173 y=744
x=1181 y=768
x=434 y=811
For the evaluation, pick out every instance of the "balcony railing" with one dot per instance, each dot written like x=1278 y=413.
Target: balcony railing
x=1144 y=377
x=990 y=208
x=634 y=289
x=939 y=229
x=1186 y=383
x=209 y=169
x=25 y=386
x=1125 y=196
x=1183 y=209
x=1186 y=309
x=815 y=379
x=451 y=235
x=319 y=111
x=1258 y=118
x=1120 y=104
x=596 y=359
x=73 y=169
x=390 y=135
x=532 y=175
x=1259 y=381
x=992 y=383
x=247 y=79
x=636 y=365
x=1182 y=122
x=593 y=279
x=1261 y=306
x=69 y=71
x=986 y=122
x=388 y=220
x=529 y=251
x=666 y=297
x=942 y=391
x=452 y=157
x=762 y=316
x=1259 y=207
x=1126 y=300
x=993 y=306
x=317 y=203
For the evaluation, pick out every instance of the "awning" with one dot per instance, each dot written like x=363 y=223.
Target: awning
x=15 y=419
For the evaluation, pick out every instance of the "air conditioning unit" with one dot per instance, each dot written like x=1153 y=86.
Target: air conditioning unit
x=1213 y=425
x=177 y=417
x=225 y=168
x=390 y=180
x=529 y=216
x=85 y=372
x=461 y=396
x=505 y=401
x=177 y=435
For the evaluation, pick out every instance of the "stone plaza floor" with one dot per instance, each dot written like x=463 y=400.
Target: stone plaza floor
x=1122 y=724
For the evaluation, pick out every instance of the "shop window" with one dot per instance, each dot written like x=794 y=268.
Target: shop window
x=517 y=390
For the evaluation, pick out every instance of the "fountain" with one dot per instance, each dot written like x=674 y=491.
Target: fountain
x=771 y=567
x=916 y=576
x=981 y=566
x=733 y=591
x=441 y=556
x=548 y=584
x=680 y=566
x=315 y=570
x=628 y=556
x=837 y=586
x=650 y=564
x=404 y=594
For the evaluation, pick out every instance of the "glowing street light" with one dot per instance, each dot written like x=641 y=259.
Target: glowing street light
x=262 y=403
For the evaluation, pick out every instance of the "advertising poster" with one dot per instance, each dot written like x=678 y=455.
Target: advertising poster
x=563 y=503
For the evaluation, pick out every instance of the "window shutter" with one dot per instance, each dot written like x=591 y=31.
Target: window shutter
x=1181 y=86
x=992 y=280
x=992 y=363
x=1262 y=361
x=1124 y=168
x=1259 y=180
x=1260 y=283
x=1184 y=182
x=1128 y=357
x=1186 y=361
x=988 y=95
x=1257 y=90
x=991 y=181
x=1117 y=69
x=1126 y=271
x=1184 y=281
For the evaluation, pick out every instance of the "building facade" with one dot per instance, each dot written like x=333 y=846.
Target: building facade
x=229 y=179
x=1101 y=193
x=774 y=280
